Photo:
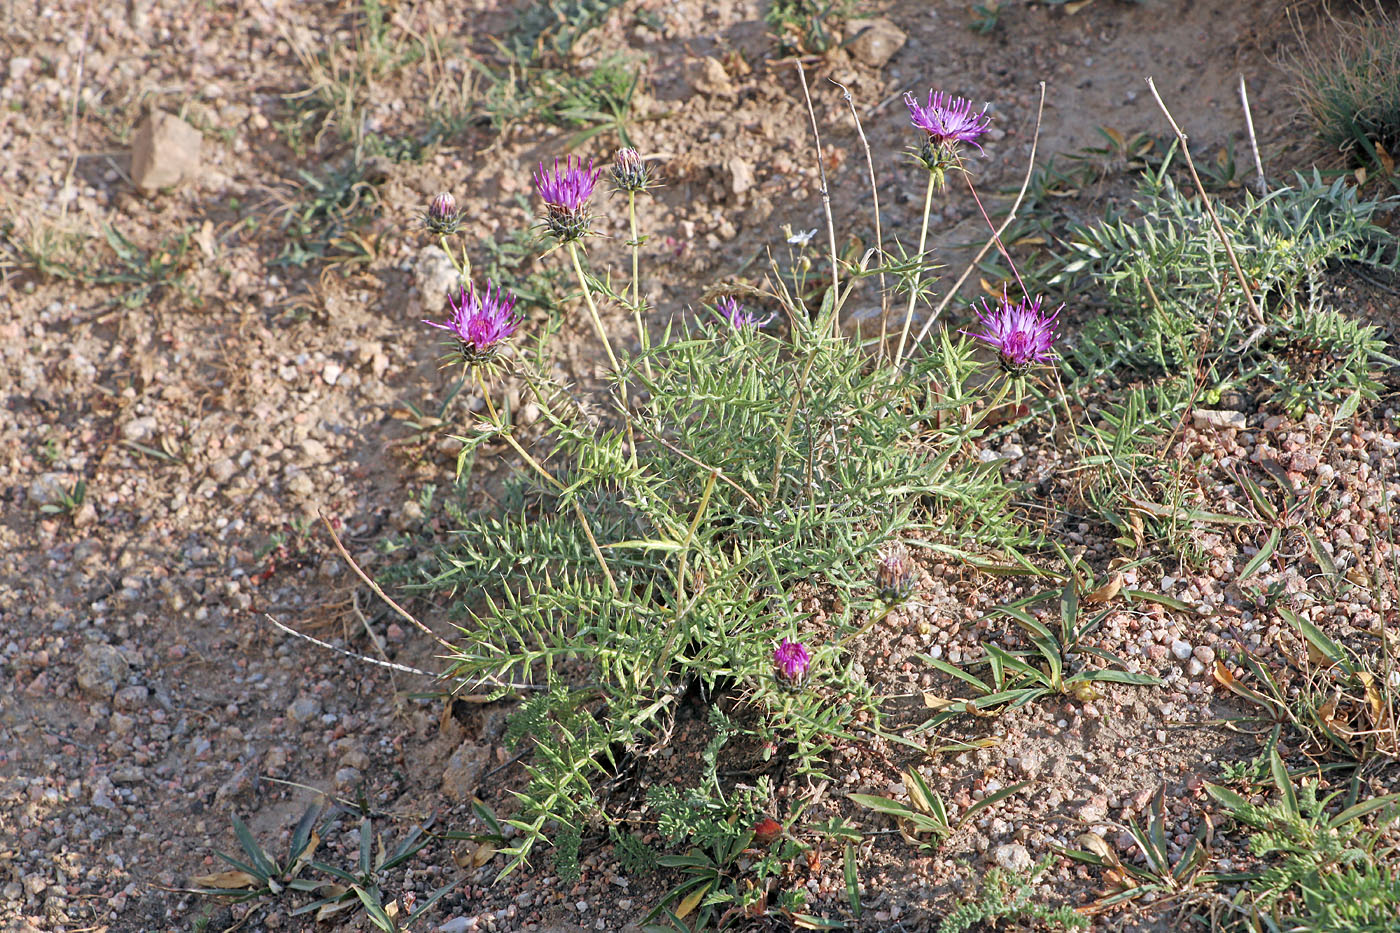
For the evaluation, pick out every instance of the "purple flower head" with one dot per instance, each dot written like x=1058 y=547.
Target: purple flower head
x=948 y=120
x=791 y=660
x=738 y=316
x=630 y=171
x=1020 y=332
x=442 y=216
x=565 y=193
x=481 y=321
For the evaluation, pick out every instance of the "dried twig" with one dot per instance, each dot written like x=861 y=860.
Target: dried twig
x=380 y=592
x=349 y=654
x=826 y=197
x=875 y=195
x=996 y=235
x=1253 y=142
x=1210 y=208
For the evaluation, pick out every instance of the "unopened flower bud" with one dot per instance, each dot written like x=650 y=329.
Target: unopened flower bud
x=630 y=171
x=442 y=217
x=894 y=577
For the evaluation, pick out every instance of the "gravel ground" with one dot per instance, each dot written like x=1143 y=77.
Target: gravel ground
x=214 y=412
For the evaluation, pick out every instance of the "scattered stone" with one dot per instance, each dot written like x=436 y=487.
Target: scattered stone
x=304 y=709
x=1181 y=649
x=436 y=278
x=1095 y=811
x=164 y=152
x=876 y=41
x=101 y=670
x=138 y=429
x=1013 y=857
x=464 y=770
x=47 y=489
x=130 y=698
x=740 y=175
x=709 y=77
x=1207 y=418
x=223 y=470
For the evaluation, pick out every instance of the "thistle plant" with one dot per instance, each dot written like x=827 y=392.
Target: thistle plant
x=481 y=322
x=661 y=546
x=791 y=660
x=566 y=193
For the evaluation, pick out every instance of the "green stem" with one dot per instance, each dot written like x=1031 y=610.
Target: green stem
x=914 y=288
x=464 y=268
x=642 y=338
x=787 y=425
x=505 y=432
x=603 y=336
x=690 y=534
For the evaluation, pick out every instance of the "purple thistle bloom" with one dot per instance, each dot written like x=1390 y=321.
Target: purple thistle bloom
x=1020 y=332
x=948 y=120
x=482 y=321
x=565 y=193
x=791 y=660
x=738 y=316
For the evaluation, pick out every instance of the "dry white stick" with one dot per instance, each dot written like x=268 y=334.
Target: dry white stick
x=826 y=198
x=1253 y=142
x=1210 y=208
x=349 y=654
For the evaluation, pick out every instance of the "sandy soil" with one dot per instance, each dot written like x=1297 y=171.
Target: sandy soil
x=265 y=377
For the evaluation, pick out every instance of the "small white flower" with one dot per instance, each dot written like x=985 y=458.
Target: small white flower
x=802 y=239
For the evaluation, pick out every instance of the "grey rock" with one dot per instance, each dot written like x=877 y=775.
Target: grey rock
x=223 y=470
x=740 y=175
x=464 y=770
x=876 y=42
x=101 y=670
x=304 y=709
x=435 y=277
x=164 y=152
x=138 y=429
x=130 y=698
x=1013 y=857
x=47 y=489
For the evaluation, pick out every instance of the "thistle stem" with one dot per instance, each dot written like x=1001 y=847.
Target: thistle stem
x=464 y=268
x=967 y=177
x=914 y=288
x=636 y=244
x=603 y=336
x=506 y=433
x=690 y=534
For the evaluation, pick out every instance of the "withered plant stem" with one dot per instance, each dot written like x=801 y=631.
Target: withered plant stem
x=377 y=590
x=875 y=197
x=1210 y=208
x=826 y=202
